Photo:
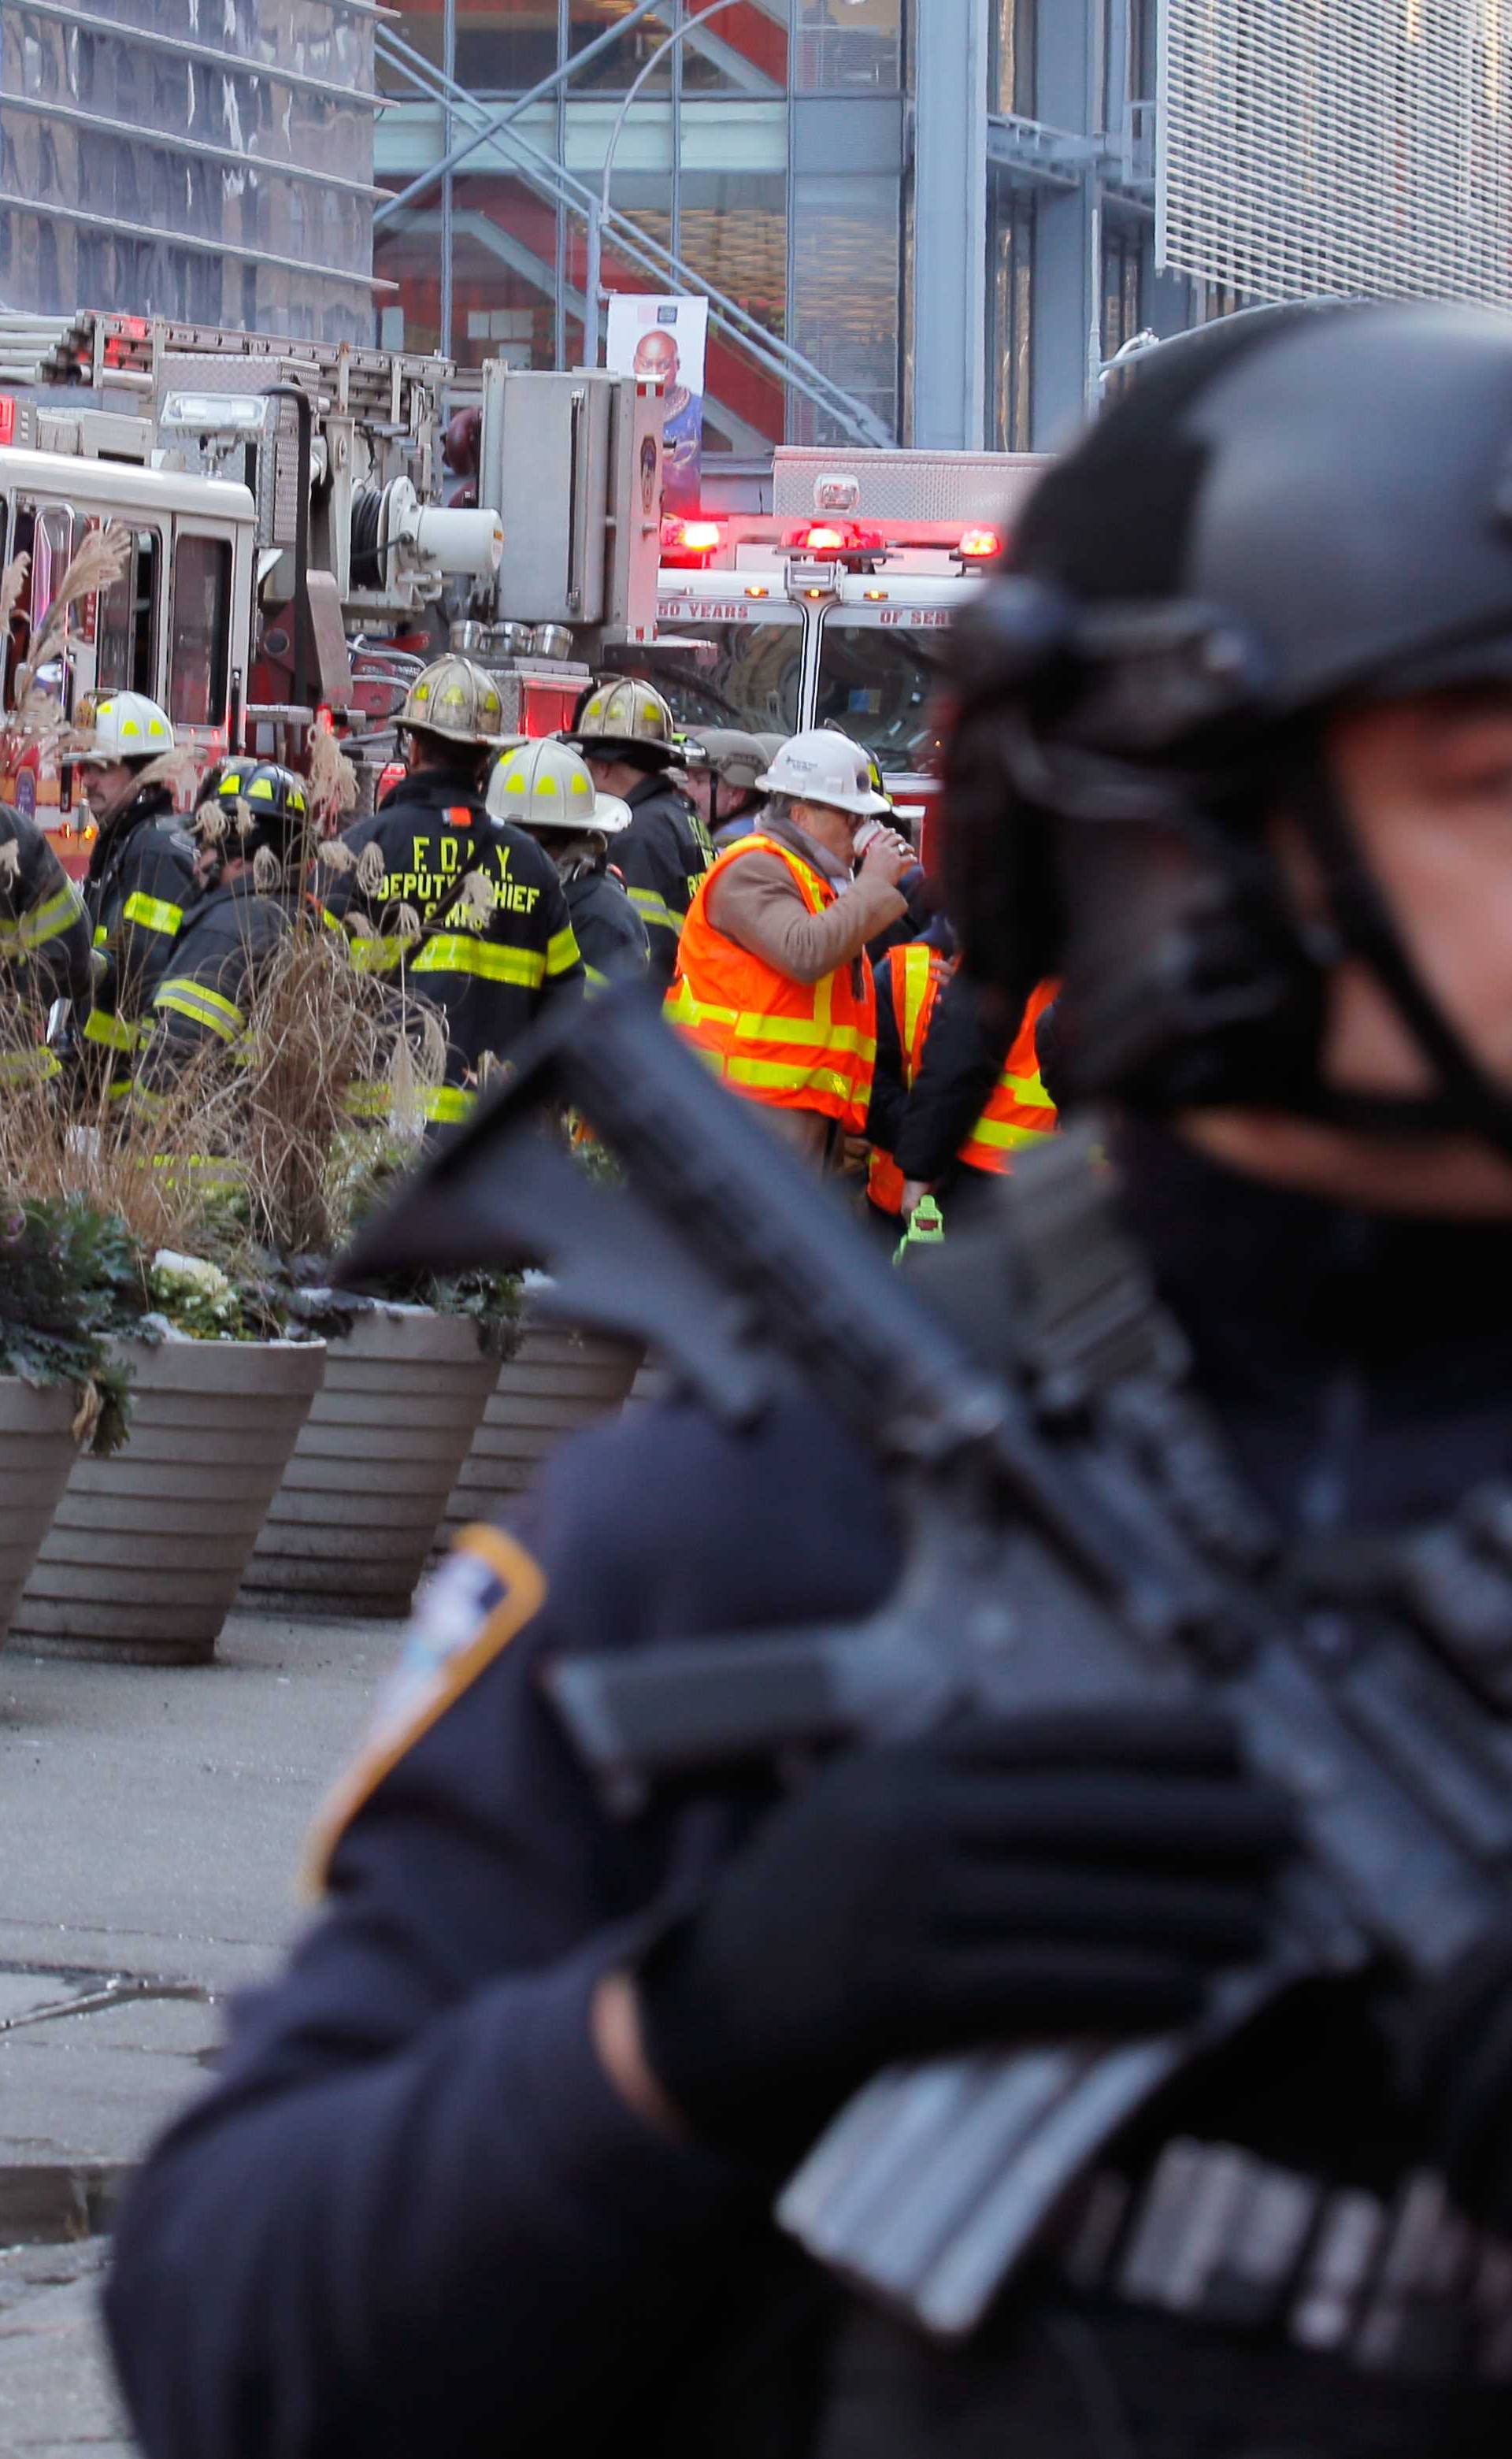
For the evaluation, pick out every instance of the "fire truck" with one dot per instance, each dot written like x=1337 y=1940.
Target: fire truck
x=832 y=607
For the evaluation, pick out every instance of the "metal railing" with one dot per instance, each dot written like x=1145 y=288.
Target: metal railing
x=558 y=186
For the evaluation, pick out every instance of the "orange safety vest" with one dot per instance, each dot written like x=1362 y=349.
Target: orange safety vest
x=918 y=974
x=1018 y=1108
x=794 y=1046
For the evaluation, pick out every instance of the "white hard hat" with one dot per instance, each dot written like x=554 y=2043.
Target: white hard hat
x=124 y=725
x=547 y=785
x=823 y=766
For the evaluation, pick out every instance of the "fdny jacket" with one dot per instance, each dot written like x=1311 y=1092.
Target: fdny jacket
x=661 y=858
x=495 y=939
x=138 y=886
x=44 y=931
x=610 y=934
x=205 y=995
x=411 y=2213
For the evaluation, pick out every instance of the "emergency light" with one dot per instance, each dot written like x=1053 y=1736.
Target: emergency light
x=979 y=545
x=688 y=543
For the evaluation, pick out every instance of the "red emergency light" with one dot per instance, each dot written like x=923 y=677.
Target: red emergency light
x=979 y=545
x=688 y=542
x=6 y=418
x=849 y=542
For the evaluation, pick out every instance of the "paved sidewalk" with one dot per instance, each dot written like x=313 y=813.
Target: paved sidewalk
x=151 y=1823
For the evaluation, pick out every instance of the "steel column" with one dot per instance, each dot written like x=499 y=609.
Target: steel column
x=950 y=227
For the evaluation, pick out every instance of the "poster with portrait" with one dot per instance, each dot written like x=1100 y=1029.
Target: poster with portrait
x=668 y=338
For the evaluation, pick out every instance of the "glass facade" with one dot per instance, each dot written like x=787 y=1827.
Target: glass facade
x=157 y=156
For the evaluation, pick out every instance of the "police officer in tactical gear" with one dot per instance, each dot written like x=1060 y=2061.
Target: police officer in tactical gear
x=464 y=911
x=624 y=731
x=141 y=877
x=547 y=788
x=493 y=2160
x=251 y=874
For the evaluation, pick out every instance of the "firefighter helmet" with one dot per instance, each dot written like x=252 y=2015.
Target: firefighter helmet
x=122 y=726
x=455 y=700
x=736 y=759
x=274 y=797
x=824 y=767
x=626 y=718
x=547 y=785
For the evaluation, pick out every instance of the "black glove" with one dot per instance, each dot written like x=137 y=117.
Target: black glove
x=1047 y=1874
x=1458 y=2070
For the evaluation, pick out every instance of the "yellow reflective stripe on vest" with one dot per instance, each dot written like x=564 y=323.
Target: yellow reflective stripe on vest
x=452 y=952
x=152 y=913
x=918 y=963
x=101 y=937
x=1006 y=1136
x=45 y=921
x=801 y=1032
x=373 y=953
x=448 y=1102
x=28 y=1067
x=114 y=1031
x=562 y=951
x=655 y=912
x=190 y=999
x=367 y=1101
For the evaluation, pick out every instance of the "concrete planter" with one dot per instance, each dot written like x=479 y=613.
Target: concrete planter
x=556 y=1381
x=37 y=1454
x=352 y=1523
x=145 y=1554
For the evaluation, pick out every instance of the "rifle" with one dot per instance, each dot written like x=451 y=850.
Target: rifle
x=1046 y=1561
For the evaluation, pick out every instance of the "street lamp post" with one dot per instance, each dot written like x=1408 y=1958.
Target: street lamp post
x=597 y=217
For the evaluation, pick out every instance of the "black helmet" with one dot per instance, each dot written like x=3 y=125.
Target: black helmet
x=262 y=804
x=1293 y=511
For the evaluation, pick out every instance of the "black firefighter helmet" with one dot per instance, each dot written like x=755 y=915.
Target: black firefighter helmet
x=1285 y=516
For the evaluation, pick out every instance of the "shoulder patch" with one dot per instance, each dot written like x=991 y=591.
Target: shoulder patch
x=486 y=1591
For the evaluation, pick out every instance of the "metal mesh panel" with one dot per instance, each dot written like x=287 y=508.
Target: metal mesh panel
x=1354 y=146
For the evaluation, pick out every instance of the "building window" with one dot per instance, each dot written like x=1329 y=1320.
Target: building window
x=1013 y=231
x=849 y=47
x=1013 y=63
x=200 y=631
x=845 y=295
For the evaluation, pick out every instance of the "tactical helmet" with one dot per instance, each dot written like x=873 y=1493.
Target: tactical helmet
x=626 y=719
x=1307 y=508
x=736 y=759
x=122 y=726
x=824 y=767
x=547 y=785
x=456 y=701
x=274 y=797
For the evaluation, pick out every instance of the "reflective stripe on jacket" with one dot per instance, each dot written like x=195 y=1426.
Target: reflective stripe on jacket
x=1019 y=1109
x=916 y=975
x=794 y=1046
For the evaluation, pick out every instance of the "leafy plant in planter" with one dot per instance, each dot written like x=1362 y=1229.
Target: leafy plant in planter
x=71 y=1278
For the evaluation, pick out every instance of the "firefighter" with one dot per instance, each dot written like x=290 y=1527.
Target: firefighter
x=141 y=870
x=547 y=789
x=624 y=731
x=721 y=764
x=459 y=908
x=773 y=983
x=250 y=876
x=44 y=944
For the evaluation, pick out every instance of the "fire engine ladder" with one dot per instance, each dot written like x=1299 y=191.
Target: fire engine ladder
x=552 y=182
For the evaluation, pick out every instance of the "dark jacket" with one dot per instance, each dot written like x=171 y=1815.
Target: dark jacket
x=614 y=941
x=661 y=858
x=140 y=884
x=963 y=1058
x=44 y=929
x=488 y=967
x=411 y=2211
x=206 y=994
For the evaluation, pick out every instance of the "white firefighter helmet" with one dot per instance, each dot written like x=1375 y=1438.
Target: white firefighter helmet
x=123 y=726
x=457 y=700
x=823 y=766
x=626 y=716
x=547 y=785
